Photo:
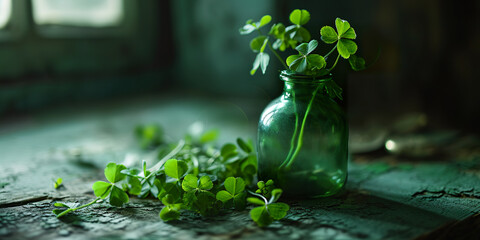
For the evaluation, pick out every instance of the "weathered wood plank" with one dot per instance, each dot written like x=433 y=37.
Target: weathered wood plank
x=386 y=197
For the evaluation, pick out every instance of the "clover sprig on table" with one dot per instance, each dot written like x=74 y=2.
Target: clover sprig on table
x=298 y=38
x=191 y=175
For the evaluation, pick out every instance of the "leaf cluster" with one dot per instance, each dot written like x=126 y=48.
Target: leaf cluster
x=297 y=37
x=268 y=211
x=192 y=175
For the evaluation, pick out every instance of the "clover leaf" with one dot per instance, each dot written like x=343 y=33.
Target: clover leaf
x=228 y=150
x=197 y=196
x=102 y=189
x=304 y=60
x=209 y=136
x=357 y=63
x=343 y=36
x=116 y=195
x=246 y=147
x=283 y=39
x=299 y=17
x=113 y=172
x=192 y=183
x=234 y=190
x=57 y=183
x=262 y=59
x=171 y=211
x=176 y=168
x=251 y=26
x=268 y=211
x=265 y=189
x=261 y=216
x=296 y=32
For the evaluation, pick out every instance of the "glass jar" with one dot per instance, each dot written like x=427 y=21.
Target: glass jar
x=303 y=139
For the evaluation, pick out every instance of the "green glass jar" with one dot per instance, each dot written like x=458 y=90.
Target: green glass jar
x=303 y=139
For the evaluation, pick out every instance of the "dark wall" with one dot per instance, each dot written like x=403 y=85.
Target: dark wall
x=45 y=66
x=425 y=54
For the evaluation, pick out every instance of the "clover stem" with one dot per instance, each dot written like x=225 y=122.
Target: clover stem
x=331 y=51
x=88 y=204
x=278 y=56
x=74 y=209
x=292 y=141
x=259 y=195
x=300 y=136
x=334 y=64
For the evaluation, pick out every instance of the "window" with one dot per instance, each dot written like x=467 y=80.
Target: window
x=83 y=13
x=5 y=12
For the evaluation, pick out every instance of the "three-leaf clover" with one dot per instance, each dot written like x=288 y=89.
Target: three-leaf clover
x=268 y=211
x=197 y=195
x=234 y=190
x=343 y=36
x=304 y=60
x=192 y=183
x=171 y=210
x=297 y=32
x=116 y=195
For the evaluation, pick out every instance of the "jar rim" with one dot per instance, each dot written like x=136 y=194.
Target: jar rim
x=291 y=76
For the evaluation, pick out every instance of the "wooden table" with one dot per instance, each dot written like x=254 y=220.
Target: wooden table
x=386 y=197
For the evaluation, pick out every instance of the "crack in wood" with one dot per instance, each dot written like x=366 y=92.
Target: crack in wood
x=27 y=200
x=443 y=193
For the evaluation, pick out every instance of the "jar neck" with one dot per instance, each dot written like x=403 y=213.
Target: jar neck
x=302 y=86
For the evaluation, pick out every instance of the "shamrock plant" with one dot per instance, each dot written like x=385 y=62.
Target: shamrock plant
x=298 y=38
x=234 y=193
x=343 y=37
x=269 y=210
x=306 y=61
x=116 y=195
x=191 y=175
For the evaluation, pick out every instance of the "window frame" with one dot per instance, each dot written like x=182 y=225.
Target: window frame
x=126 y=27
x=17 y=25
x=21 y=24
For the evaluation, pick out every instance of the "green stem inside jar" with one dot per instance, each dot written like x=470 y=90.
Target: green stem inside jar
x=291 y=156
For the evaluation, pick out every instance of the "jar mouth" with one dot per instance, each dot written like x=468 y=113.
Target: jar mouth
x=291 y=76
